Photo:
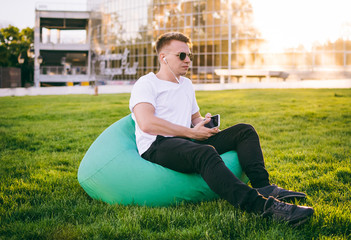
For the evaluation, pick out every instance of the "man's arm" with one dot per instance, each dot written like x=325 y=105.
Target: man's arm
x=149 y=123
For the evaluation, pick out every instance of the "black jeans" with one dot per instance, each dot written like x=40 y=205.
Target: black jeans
x=203 y=157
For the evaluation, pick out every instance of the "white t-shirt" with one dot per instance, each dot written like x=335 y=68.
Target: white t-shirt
x=173 y=102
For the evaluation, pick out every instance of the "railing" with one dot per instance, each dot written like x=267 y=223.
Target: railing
x=61 y=70
x=259 y=73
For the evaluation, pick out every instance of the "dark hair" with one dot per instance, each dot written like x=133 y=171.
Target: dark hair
x=166 y=38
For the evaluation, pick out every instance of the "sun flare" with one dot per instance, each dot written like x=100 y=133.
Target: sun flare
x=286 y=23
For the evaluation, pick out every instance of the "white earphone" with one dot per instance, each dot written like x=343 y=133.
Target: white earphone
x=164 y=59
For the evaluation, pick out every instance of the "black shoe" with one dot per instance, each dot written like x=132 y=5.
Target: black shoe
x=279 y=193
x=293 y=214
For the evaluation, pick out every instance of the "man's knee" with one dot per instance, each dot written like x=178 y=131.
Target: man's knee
x=246 y=128
x=207 y=155
x=208 y=149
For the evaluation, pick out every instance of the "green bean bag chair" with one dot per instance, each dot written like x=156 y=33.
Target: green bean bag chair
x=113 y=171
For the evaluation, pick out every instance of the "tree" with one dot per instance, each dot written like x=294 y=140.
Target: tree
x=14 y=44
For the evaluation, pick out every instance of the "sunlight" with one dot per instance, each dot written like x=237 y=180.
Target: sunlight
x=288 y=23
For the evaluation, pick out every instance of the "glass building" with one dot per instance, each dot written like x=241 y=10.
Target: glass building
x=122 y=34
x=222 y=32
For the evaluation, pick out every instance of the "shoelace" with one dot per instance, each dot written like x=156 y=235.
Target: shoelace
x=282 y=206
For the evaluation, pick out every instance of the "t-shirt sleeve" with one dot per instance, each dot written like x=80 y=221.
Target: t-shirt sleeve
x=195 y=107
x=142 y=92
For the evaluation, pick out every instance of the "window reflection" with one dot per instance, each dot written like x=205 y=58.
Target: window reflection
x=222 y=32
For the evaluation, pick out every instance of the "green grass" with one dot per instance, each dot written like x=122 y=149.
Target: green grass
x=305 y=136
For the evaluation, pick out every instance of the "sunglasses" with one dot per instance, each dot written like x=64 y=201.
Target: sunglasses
x=182 y=55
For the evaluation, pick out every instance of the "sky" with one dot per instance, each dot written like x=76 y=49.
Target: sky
x=21 y=13
x=284 y=23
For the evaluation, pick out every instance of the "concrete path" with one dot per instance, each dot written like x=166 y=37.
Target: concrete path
x=113 y=89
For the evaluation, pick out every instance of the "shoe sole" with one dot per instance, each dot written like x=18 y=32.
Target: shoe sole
x=301 y=221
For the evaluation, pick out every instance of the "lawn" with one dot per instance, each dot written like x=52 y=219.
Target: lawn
x=305 y=136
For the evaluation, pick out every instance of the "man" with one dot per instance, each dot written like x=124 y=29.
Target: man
x=170 y=132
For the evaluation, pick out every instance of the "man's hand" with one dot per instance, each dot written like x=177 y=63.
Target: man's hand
x=149 y=123
x=200 y=132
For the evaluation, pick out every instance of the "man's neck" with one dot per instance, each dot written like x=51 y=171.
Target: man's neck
x=167 y=77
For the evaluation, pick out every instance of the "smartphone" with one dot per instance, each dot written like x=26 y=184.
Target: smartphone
x=215 y=122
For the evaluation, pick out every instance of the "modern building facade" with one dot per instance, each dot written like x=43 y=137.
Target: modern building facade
x=59 y=59
x=223 y=35
x=121 y=35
